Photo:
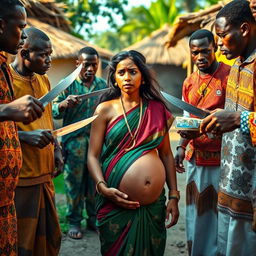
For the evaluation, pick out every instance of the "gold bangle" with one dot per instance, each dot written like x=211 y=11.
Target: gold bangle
x=97 y=186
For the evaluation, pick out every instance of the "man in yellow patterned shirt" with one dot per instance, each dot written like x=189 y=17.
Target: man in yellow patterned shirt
x=236 y=29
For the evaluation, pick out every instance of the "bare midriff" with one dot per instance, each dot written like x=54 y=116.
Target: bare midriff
x=145 y=178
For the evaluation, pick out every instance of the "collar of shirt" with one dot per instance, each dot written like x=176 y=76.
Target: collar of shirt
x=3 y=58
x=17 y=75
x=249 y=60
x=92 y=86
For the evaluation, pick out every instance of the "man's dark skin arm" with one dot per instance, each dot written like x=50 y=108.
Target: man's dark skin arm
x=180 y=155
x=58 y=159
x=40 y=139
x=36 y=138
x=220 y=121
x=25 y=109
x=70 y=102
x=186 y=136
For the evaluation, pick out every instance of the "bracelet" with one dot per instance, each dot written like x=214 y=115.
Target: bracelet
x=180 y=146
x=174 y=197
x=97 y=186
x=174 y=194
x=244 y=122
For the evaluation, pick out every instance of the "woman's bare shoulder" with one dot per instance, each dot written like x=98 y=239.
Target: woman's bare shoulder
x=106 y=107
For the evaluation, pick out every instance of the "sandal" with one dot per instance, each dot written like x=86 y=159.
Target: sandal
x=75 y=232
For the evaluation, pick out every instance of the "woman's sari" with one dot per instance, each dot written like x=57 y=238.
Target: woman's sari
x=142 y=231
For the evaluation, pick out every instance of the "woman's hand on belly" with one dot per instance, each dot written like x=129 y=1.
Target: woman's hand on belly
x=120 y=198
x=173 y=209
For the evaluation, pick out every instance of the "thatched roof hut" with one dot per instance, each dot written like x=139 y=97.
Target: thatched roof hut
x=187 y=24
x=64 y=44
x=152 y=47
x=48 y=11
x=49 y=17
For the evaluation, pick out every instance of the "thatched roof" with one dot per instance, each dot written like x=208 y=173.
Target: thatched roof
x=64 y=44
x=187 y=24
x=48 y=11
x=48 y=16
x=152 y=47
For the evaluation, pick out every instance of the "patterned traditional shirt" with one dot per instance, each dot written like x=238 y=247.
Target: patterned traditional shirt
x=206 y=92
x=238 y=176
x=83 y=110
x=38 y=163
x=10 y=151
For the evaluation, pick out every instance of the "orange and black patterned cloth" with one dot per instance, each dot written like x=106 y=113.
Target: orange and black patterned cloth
x=10 y=164
x=206 y=92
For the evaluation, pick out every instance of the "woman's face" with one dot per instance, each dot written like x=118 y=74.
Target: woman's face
x=128 y=76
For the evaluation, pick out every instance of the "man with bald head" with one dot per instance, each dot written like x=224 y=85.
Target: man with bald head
x=38 y=228
x=25 y=109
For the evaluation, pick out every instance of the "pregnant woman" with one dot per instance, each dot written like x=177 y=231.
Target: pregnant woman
x=130 y=160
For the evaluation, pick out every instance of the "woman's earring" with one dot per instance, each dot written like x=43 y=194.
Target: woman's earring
x=115 y=84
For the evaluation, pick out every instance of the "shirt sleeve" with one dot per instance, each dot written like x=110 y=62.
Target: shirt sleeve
x=55 y=106
x=248 y=125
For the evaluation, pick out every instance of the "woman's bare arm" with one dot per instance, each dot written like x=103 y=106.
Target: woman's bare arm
x=98 y=130
x=97 y=134
x=166 y=156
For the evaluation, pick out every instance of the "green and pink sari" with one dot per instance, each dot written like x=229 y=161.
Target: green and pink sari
x=139 y=232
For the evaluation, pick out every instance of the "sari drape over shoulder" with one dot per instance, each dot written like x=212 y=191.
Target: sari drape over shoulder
x=141 y=231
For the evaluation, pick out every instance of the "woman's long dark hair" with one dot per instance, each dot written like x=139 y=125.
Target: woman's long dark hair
x=149 y=90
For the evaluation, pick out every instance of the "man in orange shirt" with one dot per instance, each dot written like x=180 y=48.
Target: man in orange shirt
x=205 y=89
x=38 y=228
x=25 y=109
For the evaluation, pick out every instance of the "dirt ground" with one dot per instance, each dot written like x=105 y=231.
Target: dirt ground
x=176 y=237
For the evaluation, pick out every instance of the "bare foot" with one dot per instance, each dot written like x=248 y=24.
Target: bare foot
x=75 y=232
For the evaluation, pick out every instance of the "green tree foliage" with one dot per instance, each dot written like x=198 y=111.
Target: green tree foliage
x=138 y=22
x=83 y=13
x=142 y=21
x=112 y=40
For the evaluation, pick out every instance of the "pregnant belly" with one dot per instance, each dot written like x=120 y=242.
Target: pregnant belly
x=145 y=178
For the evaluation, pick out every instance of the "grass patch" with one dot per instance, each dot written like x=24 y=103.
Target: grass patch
x=62 y=206
x=62 y=209
x=59 y=184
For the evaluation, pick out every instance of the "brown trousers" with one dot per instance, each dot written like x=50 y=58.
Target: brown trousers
x=39 y=232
